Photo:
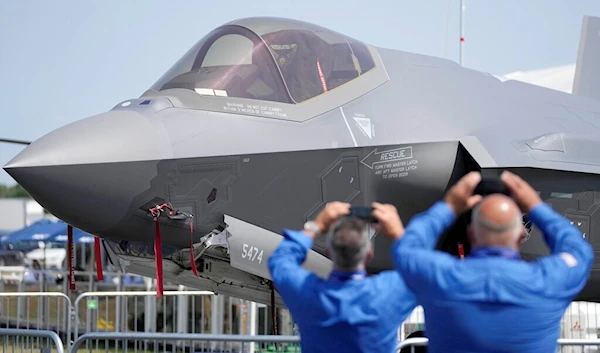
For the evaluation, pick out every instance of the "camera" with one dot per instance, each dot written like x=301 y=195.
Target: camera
x=364 y=213
x=488 y=186
x=456 y=236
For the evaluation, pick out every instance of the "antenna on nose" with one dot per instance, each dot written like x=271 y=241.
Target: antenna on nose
x=18 y=142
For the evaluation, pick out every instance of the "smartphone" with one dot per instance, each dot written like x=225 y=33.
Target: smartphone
x=488 y=186
x=364 y=213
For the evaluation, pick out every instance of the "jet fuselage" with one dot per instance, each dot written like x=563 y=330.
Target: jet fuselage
x=264 y=138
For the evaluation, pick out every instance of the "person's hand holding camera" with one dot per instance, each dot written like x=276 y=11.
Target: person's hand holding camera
x=523 y=194
x=388 y=220
x=460 y=197
x=330 y=214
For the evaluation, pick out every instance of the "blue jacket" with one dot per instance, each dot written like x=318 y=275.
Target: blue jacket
x=490 y=303
x=341 y=313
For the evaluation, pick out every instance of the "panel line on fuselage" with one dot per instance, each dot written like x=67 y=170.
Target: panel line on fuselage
x=348 y=125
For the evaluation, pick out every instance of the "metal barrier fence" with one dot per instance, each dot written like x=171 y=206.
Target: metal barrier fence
x=118 y=305
x=104 y=312
x=19 y=340
x=177 y=342
x=135 y=312
x=37 y=312
x=409 y=344
x=129 y=313
x=578 y=345
x=181 y=311
x=45 y=341
x=581 y=320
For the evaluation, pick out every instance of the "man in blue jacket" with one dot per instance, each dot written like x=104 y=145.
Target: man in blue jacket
x=349 y=311
x=493 y=301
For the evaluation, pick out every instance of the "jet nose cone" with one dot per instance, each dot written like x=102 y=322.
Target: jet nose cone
x=88 y=172
x=117 y=136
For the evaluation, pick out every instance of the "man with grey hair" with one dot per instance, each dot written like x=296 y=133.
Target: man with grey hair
x=348 y=244
x=349 y=311
x=493 y=301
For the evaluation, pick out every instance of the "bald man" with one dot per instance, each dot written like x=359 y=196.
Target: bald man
x=496 y=222
x=493 y=301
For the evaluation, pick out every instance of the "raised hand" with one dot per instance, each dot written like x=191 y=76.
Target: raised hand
x=330 y=214
x=523 y=194
x=389 y=222
x=460 y=197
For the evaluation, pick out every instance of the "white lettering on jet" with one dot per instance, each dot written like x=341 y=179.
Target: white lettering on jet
x=386 y=156
x=250 y=252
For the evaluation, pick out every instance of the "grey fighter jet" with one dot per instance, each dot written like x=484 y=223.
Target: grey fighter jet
x=265 y=120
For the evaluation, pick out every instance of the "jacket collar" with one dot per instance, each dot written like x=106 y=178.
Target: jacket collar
x=497 y=251
x=338 y=275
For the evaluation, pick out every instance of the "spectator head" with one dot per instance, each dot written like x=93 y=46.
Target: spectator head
x=348 y=244
x=496 y=221
x=36 y=265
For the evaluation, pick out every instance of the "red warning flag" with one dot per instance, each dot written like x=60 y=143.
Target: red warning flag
x=158 y=259
x=192 y=260
x=98 y=258
x=461 y=251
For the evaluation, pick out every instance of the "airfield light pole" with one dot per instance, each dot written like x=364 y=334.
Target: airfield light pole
x=461 y=53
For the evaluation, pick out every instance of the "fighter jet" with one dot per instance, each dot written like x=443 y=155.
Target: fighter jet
x=265 y=120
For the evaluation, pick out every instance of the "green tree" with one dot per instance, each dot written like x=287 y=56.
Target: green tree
x=13 y=191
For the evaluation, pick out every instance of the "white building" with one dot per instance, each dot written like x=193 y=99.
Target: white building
x=17 y=213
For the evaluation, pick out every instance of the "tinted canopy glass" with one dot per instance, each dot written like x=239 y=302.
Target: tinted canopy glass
x=268 y=59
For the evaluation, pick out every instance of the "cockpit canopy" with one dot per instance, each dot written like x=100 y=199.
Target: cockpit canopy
x=268 y=59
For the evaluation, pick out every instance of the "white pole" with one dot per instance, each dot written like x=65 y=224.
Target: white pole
x=182 y=311
x=252 y=320
x=462 y=33
x=447 y=16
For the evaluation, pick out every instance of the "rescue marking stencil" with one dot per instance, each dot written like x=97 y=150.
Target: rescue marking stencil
x=396 y=154
x=391 y=164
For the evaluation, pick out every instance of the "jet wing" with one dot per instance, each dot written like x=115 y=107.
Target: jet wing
x=555 y=131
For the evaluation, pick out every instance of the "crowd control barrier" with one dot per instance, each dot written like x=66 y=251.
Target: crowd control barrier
x=23 y=340
x=177 y=342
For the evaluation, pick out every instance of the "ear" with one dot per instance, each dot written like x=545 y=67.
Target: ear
x=369 y=254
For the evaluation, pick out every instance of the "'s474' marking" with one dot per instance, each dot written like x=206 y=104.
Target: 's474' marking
x=252 y=253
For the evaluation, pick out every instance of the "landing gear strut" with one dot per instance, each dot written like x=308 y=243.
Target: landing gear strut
x=273 y=311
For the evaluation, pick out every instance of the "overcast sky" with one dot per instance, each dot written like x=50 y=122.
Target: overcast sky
x=61 y=61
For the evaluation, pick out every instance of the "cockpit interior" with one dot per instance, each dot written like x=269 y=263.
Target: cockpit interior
x=286 y=65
